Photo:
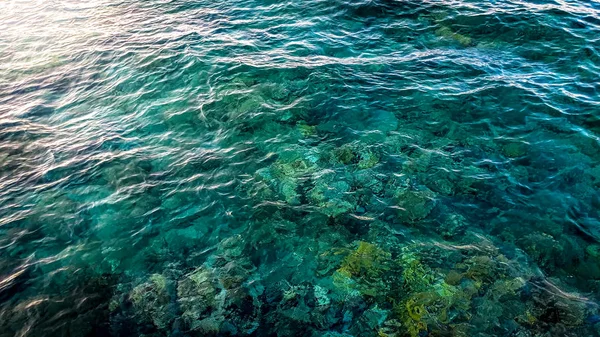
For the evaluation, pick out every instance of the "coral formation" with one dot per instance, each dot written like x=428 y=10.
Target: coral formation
x=414 y=205
x=151 y=301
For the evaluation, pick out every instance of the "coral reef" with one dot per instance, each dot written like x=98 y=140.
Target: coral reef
x=196 y=295
x=151 y=301
x=388 y=168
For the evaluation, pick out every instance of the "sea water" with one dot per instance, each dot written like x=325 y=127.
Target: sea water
x=299 y=168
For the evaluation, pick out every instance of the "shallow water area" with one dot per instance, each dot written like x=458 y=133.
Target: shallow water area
x=300 y=168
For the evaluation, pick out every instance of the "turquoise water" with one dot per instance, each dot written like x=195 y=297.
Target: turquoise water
x=301 y=168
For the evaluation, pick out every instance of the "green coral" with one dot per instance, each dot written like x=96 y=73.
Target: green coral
x=416 y=275
x=438 y=300
x=305 y=129
x=290 y=169
x=363 y=269
x=484 y=268
x=288 y=175
x=414 y=205
x=367 y=160
x=514 y=150
x=344 y=154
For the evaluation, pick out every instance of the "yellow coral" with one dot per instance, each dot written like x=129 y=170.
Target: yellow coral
x=531 y=319
x=366 y=260
x=414 y=311
x=417 y=276
x=380 y=333
x=367 y=264
x=305 y=129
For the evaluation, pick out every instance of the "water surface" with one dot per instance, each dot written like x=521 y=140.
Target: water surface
x=299 y=168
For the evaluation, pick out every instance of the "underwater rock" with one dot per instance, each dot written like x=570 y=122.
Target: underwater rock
x=595 y=174
x=335 y=208
x=369 y=322
x=259 y=189
x=514 y=150
x=296 y=312
x=59 y=209
x=119 y=175
x=414 y=205
x=381 y=121
x=542 y=248
x=178 y=240
x=231 y=248
x=370 y=182
x=233 y=274
x=418 y=163
x=289 y=191
x=331 y=196
x=209 y=326
x=279 y=93
x=558 y=307
x=439 y=183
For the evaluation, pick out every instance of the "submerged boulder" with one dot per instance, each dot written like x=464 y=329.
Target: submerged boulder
x=414 y=205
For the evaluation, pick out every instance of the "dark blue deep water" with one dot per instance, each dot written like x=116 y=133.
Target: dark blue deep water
x=318 y=168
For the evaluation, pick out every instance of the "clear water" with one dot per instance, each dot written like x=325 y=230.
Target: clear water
x=299 y=168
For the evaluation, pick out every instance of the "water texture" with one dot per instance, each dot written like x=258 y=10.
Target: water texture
x=299 y=168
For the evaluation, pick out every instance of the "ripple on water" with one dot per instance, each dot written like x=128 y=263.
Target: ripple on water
x=313 y=168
